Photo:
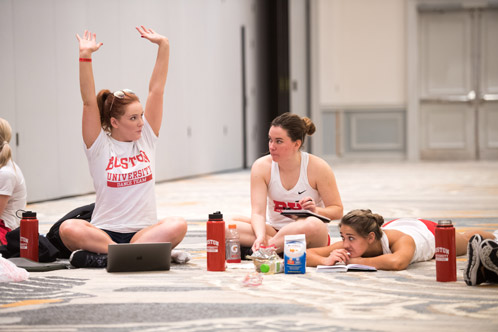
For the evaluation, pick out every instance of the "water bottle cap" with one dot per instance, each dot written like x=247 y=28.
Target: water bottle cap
x=232 y=226
x=29 y=214
x=444 y=223
x=264 y=268
x=216 y=215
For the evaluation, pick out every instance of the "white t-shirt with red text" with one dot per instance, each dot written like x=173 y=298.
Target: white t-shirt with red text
x=280 y=198
x=124 y=176
x=12 y=184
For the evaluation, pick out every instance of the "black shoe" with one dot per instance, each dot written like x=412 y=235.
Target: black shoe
x=244 y=252
x=488 y=254
x=83 y=258
x=473 y=273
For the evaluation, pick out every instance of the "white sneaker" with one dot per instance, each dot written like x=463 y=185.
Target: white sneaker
x=180 y=256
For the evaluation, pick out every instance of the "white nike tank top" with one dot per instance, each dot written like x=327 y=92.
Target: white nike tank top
x=280 y=198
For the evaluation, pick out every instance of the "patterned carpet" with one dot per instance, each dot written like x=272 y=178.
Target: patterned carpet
x=188 y=298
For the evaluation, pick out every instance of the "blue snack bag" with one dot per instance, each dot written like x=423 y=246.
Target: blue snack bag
x=295 y=254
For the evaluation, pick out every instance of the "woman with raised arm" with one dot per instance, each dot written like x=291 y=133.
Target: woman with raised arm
x=394 y=245
x=120 y=143
x=289 y=178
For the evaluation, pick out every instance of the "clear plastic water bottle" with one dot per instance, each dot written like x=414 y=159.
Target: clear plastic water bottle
x=232 y=244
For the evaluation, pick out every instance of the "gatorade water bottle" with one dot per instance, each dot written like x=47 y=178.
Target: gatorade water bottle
x=215 y=235
x=233 y=244
x=445 y=251
x=28 y=239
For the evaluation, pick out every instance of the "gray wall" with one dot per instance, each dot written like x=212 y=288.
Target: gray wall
x=39 y=89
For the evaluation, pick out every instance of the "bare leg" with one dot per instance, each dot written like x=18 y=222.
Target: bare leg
x=170 y=229
x=80 y=234
x=462 y=239
x=315 y=230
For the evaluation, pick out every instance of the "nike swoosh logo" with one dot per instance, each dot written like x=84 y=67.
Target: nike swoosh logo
x=300 y=192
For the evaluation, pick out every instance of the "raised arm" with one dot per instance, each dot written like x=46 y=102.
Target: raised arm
x=154 y=105
x=259 y=191
x=91 y=125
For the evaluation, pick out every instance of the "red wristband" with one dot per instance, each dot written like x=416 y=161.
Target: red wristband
x=85 y=59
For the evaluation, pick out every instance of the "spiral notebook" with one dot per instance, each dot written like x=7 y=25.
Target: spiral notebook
x=133 y=257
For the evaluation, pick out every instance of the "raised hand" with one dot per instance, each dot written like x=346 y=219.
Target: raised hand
x=88 y=43
x=151 y=35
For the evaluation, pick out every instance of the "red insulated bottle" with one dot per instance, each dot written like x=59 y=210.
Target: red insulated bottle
x=215 y=242
x=445 y=251
x=28 y=239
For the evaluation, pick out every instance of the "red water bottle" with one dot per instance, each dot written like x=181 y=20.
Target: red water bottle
x=215 y=242
x=28 y=239
x=445 y=251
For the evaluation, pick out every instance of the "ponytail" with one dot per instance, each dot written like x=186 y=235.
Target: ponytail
x=5 y=136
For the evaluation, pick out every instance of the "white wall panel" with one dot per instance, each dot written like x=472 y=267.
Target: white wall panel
x=36 y=91
x=361 y=48
x=7 y=70
x=201 y=130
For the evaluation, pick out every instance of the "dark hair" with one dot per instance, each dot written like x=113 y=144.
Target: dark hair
x=297 y=128
x=105 y=99
x=363 y=222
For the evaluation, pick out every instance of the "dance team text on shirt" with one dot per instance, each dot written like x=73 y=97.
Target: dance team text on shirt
x=121 y=178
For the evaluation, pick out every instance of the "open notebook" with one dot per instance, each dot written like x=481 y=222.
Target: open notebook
x=131 y=257
x=345 y=268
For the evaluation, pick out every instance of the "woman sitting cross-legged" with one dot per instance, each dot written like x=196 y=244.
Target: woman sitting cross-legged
x=120 y=143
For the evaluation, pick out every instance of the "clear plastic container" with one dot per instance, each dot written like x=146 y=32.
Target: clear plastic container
x=272 y=266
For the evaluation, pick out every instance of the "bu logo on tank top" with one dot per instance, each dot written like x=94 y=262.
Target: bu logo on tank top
x=279 y=206
x=123 y=172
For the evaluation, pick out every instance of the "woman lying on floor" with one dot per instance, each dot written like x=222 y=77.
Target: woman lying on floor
x=392 y=246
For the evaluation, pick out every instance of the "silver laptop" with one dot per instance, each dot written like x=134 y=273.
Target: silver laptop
x=131 y=257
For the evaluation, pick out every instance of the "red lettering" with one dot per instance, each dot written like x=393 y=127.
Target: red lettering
x=294 y=206
x=279 y=206
x=145 y=156
x=109 y=166
x=124 y=163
